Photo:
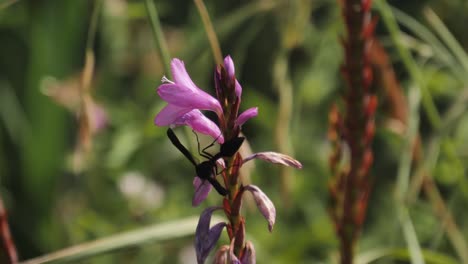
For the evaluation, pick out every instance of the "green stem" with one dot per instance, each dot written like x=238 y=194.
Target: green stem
x=159 y=36
x=212 y=38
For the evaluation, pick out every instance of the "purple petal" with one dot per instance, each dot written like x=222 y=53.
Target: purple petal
x=249 y=256
x=229 y=66
x=181 y=76
x=200 y=123
x=275 y=157
x=183 y=96
x=169 y=114
x=264 y=204
x=246 y=115
x=238 y=89
x=206 y=238
x=202 y=189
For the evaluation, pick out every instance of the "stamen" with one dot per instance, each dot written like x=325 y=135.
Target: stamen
x=164 y=79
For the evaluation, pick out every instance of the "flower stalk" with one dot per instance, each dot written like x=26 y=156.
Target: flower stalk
x=185 y=102
x=352 y=132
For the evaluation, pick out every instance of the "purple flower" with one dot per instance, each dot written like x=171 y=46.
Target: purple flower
x=185 y=100
x=184 y=93
x=264 y=204
x=206 y=237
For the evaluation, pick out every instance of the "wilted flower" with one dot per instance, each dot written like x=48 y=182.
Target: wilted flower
x=264 y=204
x=206 y=237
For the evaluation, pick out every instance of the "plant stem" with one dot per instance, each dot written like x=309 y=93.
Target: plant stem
x=210 y=32
x=158 y=36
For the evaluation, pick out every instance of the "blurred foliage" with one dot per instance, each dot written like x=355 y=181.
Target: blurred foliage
x=133 y=177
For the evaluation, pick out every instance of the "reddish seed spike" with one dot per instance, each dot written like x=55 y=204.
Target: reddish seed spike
x=369 y=28
x=367 y=77
x=366 y=5
x=367 y=160
x=369 y=132
x=370 y=105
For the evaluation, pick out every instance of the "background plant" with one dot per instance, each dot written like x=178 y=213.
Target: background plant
x=287 y=57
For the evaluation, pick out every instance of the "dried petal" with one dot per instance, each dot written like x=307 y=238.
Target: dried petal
x=249 y=256
x=233 y=258
x=275 y=157
x=264 y=204
x=221 y=256
x=206 y=237
x=246 y=115
x=202 y=189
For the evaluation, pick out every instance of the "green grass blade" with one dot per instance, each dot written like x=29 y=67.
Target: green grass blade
x=153 y=233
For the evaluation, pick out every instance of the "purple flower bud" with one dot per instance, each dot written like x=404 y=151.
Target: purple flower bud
x=229 y=66
x=264 y=204
x=202 y=189
x=249 y=256
x=231 y=71
x=221 y=256
x=246 y=115
x=275 y=157
x=206 y=237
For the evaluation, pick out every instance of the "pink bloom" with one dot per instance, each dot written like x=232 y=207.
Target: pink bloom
x=184 y=93
x=185 y=102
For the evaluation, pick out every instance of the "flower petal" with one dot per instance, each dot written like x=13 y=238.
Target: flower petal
x=183 y=96
x=221 y=256
x=246 y=115
x=275 y=157
x=180 y=74
x=202 y=189
x=169 y=114
x=200 y=123
x=206 y=237
x=238 y=89
x=264 y=204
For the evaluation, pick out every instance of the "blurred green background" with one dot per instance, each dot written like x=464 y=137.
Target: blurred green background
x=287 y=56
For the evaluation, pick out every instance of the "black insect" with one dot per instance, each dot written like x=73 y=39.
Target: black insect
x=207 y=168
